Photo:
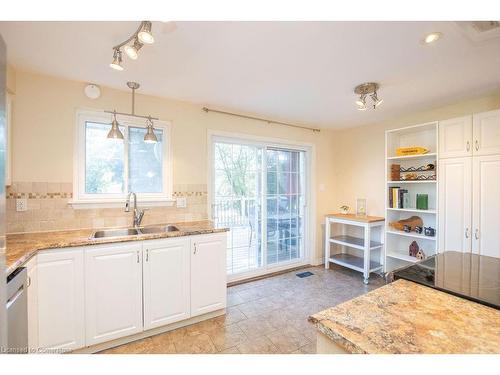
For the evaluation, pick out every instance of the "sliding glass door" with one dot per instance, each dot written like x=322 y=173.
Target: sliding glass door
x=258 y=191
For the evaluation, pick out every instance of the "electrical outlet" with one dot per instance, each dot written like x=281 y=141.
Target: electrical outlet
x=21 y=204
x=181 y=202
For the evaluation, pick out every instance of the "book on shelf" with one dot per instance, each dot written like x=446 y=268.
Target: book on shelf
x=397 y=197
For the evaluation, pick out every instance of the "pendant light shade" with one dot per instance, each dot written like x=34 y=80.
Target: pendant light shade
x=145 y=36
x=150 y=136
x=115 y=132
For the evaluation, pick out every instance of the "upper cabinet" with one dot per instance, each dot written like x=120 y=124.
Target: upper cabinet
x=487 y=133
x=455 y=137
x=475 y=135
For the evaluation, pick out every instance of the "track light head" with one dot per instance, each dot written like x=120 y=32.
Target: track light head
x=117 y=60
x=361 y=101
x=145 y=36
x=376 y=100
x=132 y=51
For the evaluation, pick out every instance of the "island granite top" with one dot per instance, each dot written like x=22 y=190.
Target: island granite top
x=405 y=317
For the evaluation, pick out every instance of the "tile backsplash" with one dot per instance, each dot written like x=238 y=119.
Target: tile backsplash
x=48 y=209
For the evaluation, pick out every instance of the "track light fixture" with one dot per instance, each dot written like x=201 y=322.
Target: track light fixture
x=365 y=89
x=115 y=133
x=133 y=44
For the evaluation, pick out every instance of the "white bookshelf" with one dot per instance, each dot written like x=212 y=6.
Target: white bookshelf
x=397 y=242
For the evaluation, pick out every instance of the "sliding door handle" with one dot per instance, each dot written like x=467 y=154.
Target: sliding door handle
x=468 y=146
x=477 y=145
x=476 y=234
x=466 y=232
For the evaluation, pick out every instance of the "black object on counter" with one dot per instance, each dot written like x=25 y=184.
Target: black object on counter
x=471 y=276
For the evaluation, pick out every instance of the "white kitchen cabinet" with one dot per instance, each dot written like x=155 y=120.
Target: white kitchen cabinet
x=60 y=302
x=208 y=273
x=486 y=205
x=455 y=137
x=166 y=281
x=113 y=291
x=32 y=292
x=486 y=126
x=455 y=204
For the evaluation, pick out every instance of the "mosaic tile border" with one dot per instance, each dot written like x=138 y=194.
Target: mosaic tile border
x=39 y=195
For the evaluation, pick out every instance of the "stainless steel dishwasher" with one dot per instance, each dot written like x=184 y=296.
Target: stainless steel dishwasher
x=17 y=311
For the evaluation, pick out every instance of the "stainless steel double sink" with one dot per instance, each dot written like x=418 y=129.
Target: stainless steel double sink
x=108 y=233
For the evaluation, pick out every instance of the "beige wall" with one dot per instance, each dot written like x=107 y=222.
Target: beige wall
x=360 y=152
x=44 y=123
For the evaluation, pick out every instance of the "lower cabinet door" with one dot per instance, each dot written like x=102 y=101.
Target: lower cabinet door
x=208 y=273
x=113 y=291
x=166 y=281
x=60 y=285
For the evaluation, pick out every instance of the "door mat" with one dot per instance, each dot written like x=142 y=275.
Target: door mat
x=304 y=274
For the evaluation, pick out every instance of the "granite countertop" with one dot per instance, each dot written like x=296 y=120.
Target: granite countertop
x=405 y=317
x=21 y=247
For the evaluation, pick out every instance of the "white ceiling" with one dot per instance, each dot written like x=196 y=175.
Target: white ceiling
x=302 y=72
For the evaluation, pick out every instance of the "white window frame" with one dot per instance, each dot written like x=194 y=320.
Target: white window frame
x=84 y=200
x=310 y=181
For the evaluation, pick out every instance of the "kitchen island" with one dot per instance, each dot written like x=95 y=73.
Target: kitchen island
x=408 y=318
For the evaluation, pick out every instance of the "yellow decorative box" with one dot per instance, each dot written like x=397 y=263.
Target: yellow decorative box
x=404 y=151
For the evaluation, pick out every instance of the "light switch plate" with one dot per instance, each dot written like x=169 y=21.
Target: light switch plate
x=21 y=204
x=181 y=202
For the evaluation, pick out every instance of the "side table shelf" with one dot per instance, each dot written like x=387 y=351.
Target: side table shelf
x=366 y=244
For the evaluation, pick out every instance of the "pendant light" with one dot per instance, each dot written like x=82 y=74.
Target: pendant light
x=150 y=136
x=115 y=132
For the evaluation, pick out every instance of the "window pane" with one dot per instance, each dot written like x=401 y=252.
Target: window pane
x=104 y=160
x=145 y=162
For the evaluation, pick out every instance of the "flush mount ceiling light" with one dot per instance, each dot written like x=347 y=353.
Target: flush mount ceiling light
x=132 y=45
x=432 y=37
x=364 y=90
x=115 y=133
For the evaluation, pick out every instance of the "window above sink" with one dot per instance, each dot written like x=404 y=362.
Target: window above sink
x=106 y=170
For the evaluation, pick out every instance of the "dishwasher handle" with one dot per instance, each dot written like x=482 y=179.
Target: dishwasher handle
x=15 y=297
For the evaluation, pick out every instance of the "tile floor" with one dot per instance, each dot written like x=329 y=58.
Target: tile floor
x=263 y=316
